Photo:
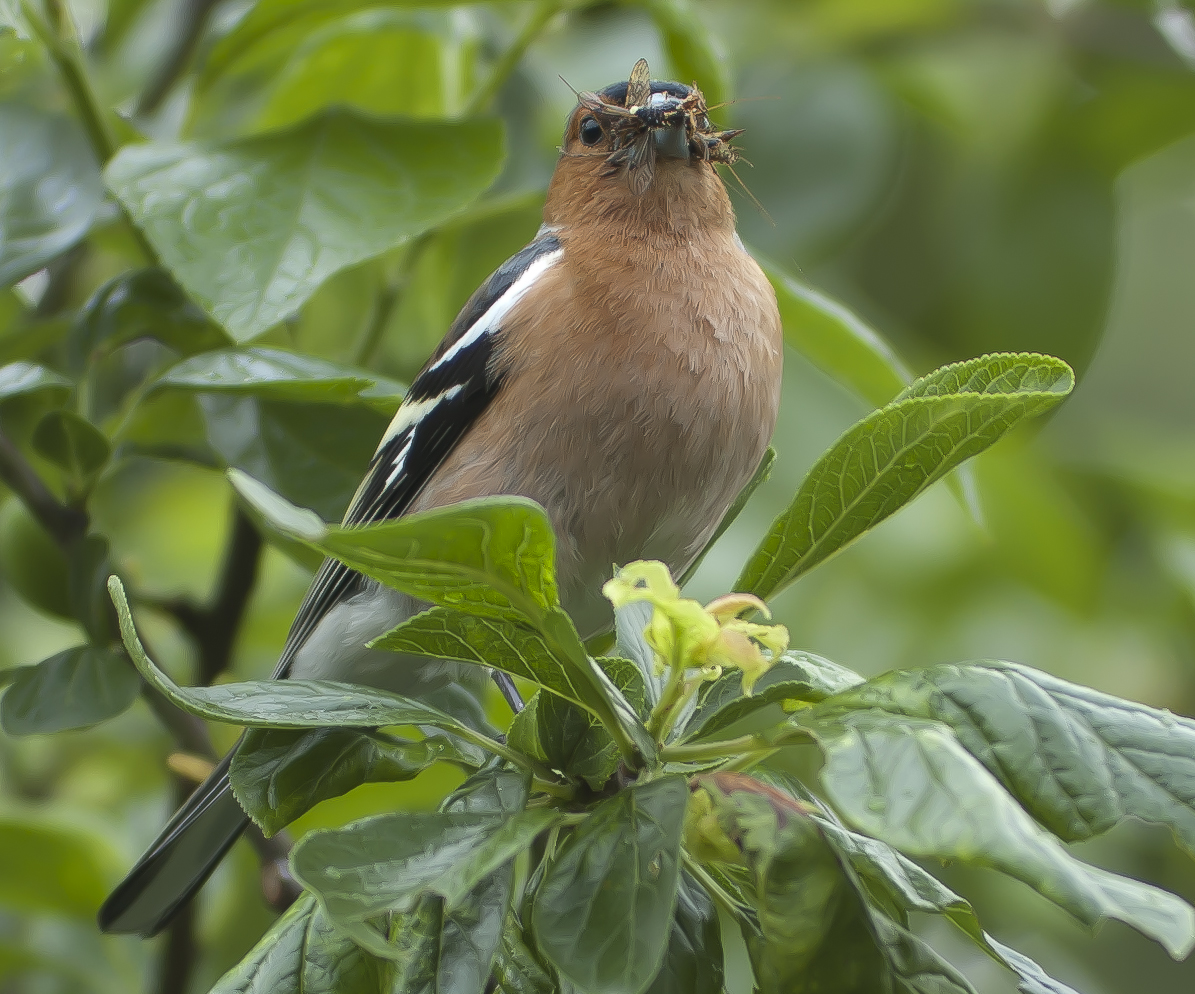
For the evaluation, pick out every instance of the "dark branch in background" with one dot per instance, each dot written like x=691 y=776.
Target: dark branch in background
x=192 y=22
x=214 y=628
x=66 y=525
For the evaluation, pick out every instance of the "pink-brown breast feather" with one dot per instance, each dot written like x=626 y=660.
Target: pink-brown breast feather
x=641 y=385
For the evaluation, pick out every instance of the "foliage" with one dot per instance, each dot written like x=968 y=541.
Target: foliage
x=221 y=289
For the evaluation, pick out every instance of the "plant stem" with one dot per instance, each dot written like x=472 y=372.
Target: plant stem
x=713 y=888
x=66 y=525
x=722 y=749
x=546 y=780
x=537 y=20
x=192 y=20
x=62 y=42
x=214 y=628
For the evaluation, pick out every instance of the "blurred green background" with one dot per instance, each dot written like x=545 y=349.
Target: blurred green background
x=966 y=175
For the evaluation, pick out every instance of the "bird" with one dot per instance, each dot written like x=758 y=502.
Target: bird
x=623 y=370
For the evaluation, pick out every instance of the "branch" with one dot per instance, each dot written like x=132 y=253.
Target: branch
x=192 y=21
x=214 y=628
x=66 y=525
x=537 y=20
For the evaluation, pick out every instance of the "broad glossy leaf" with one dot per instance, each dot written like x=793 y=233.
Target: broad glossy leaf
x=516 y=969
x=413 y=64
x=278 y=374
x=73 y=689
x=282 y=703
x=20 y=378
x=795 y=676
x=603 y=913
x=72 y=443
x=487 y=556
x=49 y=865
x=895 y=453
x=1032 y=978
x=509 y=643
x=910 y=888
x=144 y=303
x=50 y=188
x=442 y=950
x=693 y=961
x=1079 y=761
x=314 y=454
x=303 y=953
x=813 y=932
x=912 y=785
x=252 y=228
x=570 y=739
x=690 y=48
x=279 y=774
x=760 y=476
x=493 y=557
x=837 y=340
x=268 y=19
x=387 y=862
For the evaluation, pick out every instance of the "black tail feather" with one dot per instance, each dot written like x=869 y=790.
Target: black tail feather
x=179 y=861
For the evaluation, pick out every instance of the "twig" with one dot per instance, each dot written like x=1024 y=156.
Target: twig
x=214 y=628
x=62 y=43
x=192 y=21
x=66 y=525
x=537 y=20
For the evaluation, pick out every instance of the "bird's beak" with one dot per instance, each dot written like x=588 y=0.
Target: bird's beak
x=672 y=142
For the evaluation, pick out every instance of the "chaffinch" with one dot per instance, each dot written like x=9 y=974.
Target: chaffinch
x=623 y=370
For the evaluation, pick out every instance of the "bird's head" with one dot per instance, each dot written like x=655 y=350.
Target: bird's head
x=638 y=142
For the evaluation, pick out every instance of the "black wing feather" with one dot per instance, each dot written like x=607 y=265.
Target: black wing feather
x=427 y=442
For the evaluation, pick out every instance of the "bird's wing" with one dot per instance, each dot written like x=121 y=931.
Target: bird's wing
x=453 y=388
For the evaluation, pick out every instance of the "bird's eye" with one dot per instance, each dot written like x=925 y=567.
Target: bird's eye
x=591 y=131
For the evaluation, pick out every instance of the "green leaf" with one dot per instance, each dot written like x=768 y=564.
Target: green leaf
x=20 y=378
x=278 y=374
x=282 y=703
x=566 y=737
x=795 y=676
x=912 y=785
x=691 y=49
x=1079 y=761
x=50 y=189
x=836 y=340
x=612 y=887
x=516 y=969
x=813 y=933
x=450 y=951
x=238 y=224
x=383 y=62
x=273 y=25
x=491 y=555
x=315 y=454
x=760 y=476
x=303 y=953
x=144 y=303
x=51 y=866
x=509 y=643
x=387 y=862
x=279 y=774
x=894 y=454
x=73 y=689
x=1032 y=978
x=693 y=960
x=74 y=444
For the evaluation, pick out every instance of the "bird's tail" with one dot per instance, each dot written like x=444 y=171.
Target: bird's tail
x=180 y=859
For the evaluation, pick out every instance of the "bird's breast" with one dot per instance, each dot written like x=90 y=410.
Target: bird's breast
x=640 y=392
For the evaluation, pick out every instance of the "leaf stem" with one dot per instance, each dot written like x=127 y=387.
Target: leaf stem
x=537 y=20
x=62 y=42
x=714 y=889
x=722 y=749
